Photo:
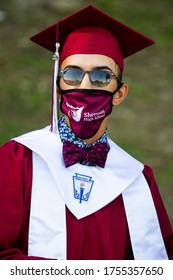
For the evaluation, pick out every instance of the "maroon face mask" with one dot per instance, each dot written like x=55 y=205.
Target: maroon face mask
x=86 y=109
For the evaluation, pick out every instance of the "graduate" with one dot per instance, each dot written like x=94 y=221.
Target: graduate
x=67 y=190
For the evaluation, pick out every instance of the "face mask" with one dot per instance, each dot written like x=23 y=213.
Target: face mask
x=86 y=109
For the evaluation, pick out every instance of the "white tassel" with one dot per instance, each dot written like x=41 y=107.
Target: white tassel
x=54 y=127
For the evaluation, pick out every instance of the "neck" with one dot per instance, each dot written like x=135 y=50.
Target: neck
x=98 y=134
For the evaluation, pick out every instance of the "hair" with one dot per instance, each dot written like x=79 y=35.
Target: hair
x=120 y=74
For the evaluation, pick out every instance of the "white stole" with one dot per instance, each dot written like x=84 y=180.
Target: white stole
x=55 y=186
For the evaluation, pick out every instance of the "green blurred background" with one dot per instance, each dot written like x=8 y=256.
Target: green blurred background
x=142 y=124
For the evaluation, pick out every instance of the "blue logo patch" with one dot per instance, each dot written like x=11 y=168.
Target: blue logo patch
x=82 y=186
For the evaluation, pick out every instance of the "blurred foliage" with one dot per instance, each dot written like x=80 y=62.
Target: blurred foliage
x=142 y=124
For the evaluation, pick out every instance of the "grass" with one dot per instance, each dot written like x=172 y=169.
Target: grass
x=142 y=124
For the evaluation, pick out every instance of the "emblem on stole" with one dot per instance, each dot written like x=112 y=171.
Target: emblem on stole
x=82 y=185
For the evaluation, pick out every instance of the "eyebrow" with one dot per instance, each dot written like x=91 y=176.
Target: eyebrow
x=95 y=67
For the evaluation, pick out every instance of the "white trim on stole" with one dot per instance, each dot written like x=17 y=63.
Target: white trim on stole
x=51 y=174
x=47 y=230
x=146 y=238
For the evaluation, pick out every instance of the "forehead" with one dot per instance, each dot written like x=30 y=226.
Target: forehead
x=89 y=61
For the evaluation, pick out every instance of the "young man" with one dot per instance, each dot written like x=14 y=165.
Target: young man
x=68 y=191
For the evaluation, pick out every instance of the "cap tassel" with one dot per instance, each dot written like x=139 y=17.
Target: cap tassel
x=54 y=117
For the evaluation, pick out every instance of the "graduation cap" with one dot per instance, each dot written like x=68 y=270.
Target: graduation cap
x=90 y=31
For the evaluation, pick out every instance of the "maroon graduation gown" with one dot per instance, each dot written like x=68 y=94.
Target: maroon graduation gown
x=101 y=235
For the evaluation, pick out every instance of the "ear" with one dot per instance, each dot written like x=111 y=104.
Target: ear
x=120 y=95
x=58 y=94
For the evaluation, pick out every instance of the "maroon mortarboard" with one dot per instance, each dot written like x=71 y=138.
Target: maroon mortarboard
x=90 y=31
x=130 y=41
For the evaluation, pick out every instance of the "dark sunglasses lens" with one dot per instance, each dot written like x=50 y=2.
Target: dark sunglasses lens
x=72 y=77
x=100 y=78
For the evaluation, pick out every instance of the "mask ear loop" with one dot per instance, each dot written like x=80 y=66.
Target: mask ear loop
x=54 y=117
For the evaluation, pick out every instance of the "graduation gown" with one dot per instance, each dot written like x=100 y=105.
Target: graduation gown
x=101 y=235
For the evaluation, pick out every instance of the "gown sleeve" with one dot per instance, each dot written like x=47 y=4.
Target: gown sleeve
x=15 y=196
x=164 y=221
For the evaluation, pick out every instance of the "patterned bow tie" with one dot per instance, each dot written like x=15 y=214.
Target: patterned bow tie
x=95 y=155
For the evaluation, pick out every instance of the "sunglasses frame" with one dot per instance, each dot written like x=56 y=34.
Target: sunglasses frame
x=89 y=73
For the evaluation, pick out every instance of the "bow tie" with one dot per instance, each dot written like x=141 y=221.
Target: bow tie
x=95 y=155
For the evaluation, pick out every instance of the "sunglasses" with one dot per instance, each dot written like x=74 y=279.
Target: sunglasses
x=98 y=77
